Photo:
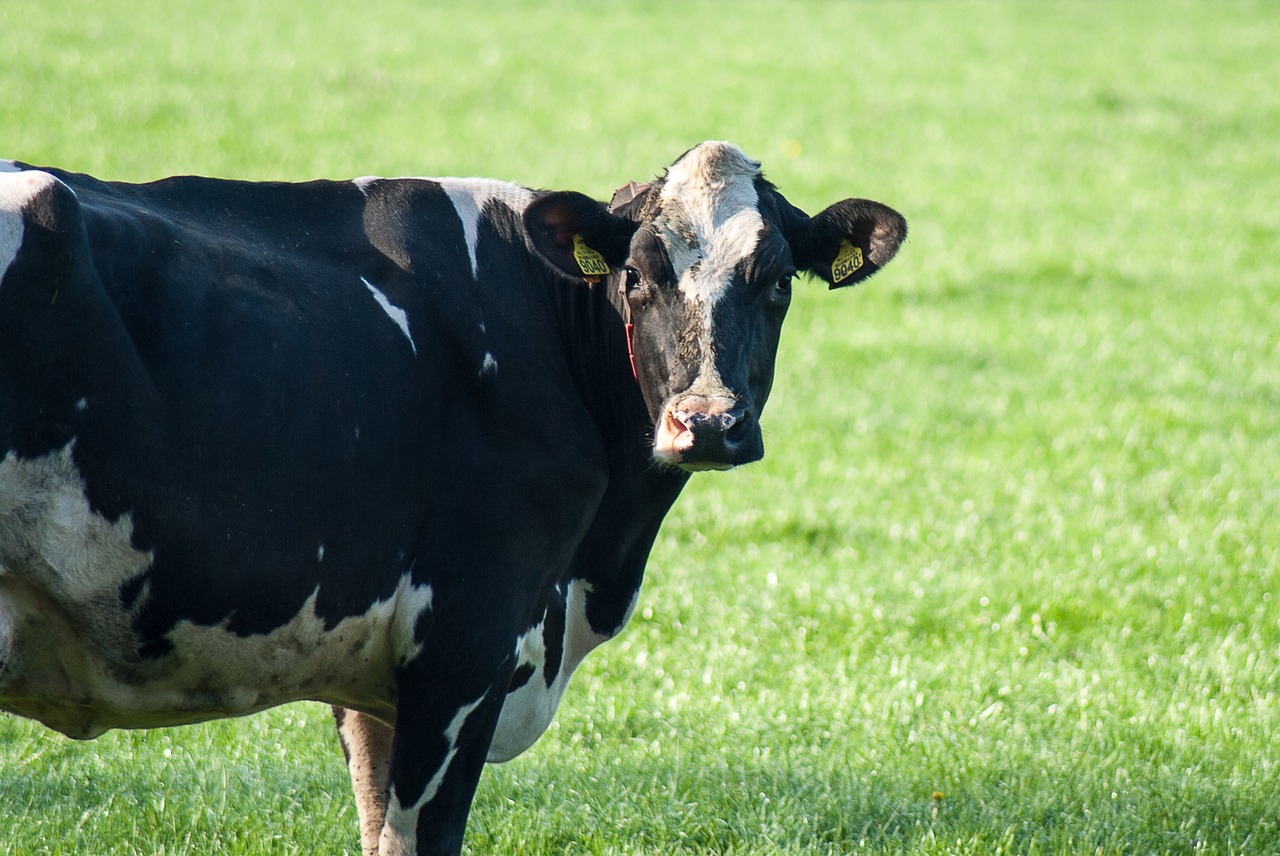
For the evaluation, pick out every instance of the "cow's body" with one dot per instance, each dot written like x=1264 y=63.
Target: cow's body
x=356 y=442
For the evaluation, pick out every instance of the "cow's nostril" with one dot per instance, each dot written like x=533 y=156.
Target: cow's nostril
x=739 y=429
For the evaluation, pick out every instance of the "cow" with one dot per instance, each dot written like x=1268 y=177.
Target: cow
x=401 y=446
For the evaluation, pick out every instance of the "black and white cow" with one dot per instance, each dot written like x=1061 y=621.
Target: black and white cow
x=397 y=445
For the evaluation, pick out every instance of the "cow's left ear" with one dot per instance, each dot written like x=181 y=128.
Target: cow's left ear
x=577 y=234
x=848 y=242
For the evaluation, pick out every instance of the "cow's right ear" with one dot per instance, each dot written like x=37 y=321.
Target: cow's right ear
x=577 y=234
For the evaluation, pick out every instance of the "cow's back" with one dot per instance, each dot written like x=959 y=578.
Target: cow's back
x=232 y=416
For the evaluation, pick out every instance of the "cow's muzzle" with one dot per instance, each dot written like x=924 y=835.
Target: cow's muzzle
x=697 y=432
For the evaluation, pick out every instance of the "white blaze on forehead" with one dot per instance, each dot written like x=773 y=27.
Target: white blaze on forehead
x=470 y=196
x=396 y=314
x=710 y=222
x=710 y=217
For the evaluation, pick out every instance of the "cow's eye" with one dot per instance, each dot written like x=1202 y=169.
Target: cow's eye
x=634 y=288
x=779 y=296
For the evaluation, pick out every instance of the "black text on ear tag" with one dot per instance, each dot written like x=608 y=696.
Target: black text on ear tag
x=848 y=261
x=589 y=261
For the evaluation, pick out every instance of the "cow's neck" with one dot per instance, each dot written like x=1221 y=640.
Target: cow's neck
x=595 y=343
x=612 y=556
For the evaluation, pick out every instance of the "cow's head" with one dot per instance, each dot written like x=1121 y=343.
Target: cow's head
x=702 y=260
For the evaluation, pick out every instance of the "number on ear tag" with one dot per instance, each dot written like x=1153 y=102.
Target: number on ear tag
x=589 y=261
x=847 y=262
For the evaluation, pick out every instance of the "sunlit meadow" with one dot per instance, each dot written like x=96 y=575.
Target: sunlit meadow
x=1007 y=579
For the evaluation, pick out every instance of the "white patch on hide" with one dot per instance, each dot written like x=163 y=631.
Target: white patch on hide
x=470 y=196
x=17 y=188
x=10 y=239
x=298 y=659
x=48 y=529
x=452 y=733
x=400 y=834
x=71 y=657
x=528 y=711
x=412 y=602
x=400 y=830
x=349 y=665
x=395 y=313
x=61 y=569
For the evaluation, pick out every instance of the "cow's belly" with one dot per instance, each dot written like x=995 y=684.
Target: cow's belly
x=84 y=683
x=69 y=657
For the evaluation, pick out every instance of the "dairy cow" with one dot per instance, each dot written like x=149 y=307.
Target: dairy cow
x=397 y=445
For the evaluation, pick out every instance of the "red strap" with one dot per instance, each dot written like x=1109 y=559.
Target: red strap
x=631 y=350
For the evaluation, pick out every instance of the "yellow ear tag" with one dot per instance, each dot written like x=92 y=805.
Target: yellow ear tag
x=847 y=262
x=589 y=261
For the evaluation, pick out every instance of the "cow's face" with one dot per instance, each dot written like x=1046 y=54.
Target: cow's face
x=702 y=261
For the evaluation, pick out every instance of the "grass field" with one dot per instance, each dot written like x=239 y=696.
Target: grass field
x=1008 y=580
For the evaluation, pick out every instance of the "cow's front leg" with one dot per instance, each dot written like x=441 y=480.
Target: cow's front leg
x=366 y=743
x=441 y=739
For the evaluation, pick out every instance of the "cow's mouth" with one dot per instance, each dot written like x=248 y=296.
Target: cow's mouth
x=698 y=433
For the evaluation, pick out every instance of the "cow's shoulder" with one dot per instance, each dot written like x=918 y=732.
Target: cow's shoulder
x=32 y=199
x=440 y=223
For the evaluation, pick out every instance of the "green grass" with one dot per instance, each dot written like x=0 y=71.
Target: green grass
x=1017 y=537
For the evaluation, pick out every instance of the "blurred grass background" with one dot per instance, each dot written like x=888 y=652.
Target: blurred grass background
x=1006 y=581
